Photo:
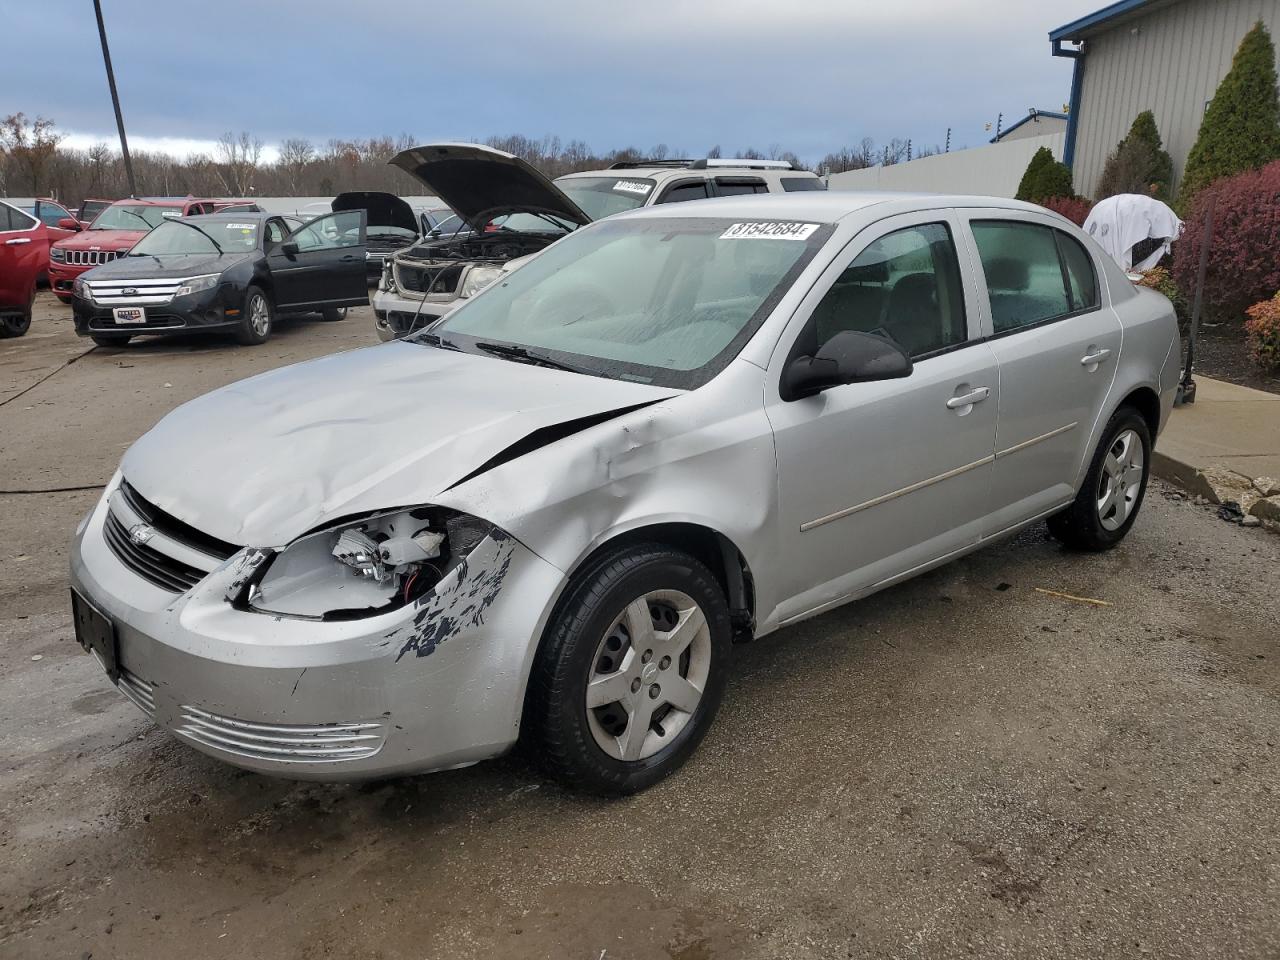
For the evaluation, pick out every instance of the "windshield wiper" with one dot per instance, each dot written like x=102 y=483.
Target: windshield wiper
x=135 y=216
x=436 y=341
x=521 y=355
x=198 y=230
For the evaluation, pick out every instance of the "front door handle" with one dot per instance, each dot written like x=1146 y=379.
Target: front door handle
x=17 y=240
x=347 y=259
x=1094 y=357
x=976 y=395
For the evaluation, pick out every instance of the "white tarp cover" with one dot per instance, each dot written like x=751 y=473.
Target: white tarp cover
x=1121 y=221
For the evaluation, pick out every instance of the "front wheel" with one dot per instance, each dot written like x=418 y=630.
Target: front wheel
x=631 y=672
x=333 y=313
x=1113 y=489
x=256 y=318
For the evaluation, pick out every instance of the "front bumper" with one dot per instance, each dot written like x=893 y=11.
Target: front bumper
x=394 y=315
x=214 y=309
x=439 y=684
x=62 y=277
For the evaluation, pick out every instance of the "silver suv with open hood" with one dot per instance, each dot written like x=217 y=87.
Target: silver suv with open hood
x=508 y=211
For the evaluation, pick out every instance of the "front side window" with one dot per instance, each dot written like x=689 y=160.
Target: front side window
x=693 y=190
x=51 y=213
x=665 y=301
x=600 y=197
x=905 y=286
x=1034 y=273
x=332 y=232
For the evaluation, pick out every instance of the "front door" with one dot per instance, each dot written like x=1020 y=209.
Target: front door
x=1058 y=348
x=876 y=479
x=322 y=264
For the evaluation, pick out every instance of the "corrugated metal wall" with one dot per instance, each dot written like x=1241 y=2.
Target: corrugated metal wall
x=990 y=171
x=1171 y=62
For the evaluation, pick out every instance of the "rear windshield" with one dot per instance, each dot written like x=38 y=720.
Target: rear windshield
x=130 y=216
x=601 y=197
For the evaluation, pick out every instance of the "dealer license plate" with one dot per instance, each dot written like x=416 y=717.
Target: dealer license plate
x=130 y=315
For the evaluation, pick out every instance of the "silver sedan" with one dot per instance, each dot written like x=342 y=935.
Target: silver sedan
x=547 y=517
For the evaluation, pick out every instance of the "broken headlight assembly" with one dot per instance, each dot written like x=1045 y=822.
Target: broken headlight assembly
x=364 y=567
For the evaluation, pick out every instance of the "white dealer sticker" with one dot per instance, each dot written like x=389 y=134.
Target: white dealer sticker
x=630 y=186
x=771 y=230
x=239 y=226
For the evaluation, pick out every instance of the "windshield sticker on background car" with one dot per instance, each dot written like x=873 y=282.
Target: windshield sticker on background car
x=769 y=231
x=171 y=214
x=631 y=186
x=240 y=226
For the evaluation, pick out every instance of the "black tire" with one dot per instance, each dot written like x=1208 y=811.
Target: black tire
x=107 y=340
x=556 y=726
x=333 y=313
x=16 y=326
x=1081 y=526
x=251 y=333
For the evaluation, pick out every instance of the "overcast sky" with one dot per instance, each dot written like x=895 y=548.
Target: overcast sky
x=807 y=75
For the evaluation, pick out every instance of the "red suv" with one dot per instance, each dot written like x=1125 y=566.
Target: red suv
x=22 y=258
x=112 y=233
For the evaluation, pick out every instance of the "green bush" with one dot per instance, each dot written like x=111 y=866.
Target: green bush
x=1139 y=164
x=1045 y=178
x=1241 y=127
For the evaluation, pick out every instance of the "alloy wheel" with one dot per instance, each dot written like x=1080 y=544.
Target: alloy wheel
x=1121 y=481
x=648 y=675
x=259 y=316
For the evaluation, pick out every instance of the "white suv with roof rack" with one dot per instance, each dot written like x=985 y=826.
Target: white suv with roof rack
x=509 y=211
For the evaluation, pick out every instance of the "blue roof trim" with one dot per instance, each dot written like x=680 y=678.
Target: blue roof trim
x=1027 y=119
x=1072 y=30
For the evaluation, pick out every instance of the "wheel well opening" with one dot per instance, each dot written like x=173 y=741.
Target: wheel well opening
x=711 y=548
x=1147 y=402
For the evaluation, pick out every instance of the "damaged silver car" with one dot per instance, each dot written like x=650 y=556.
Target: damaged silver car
x=548 y=516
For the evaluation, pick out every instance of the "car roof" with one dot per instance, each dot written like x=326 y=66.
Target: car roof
x=823 y=206
x=161 y=201
x=704 y=173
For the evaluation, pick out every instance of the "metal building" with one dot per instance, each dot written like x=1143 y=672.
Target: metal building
x=1167 y=56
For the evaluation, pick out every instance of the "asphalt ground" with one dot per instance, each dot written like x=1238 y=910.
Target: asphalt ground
x=961 y=765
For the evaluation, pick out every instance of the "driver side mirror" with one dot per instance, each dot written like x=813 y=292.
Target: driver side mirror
x=848 y=357
x=433 y=233
x=289 y=248
x=66 y=223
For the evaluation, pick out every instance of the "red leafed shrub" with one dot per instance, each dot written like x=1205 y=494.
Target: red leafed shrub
x=1244 y=255
x=1075 y=209
x=1262 y=332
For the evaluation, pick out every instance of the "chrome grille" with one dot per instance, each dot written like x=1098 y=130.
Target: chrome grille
x=111 y=293
x=139 y=692
x=297 y=743
x=90 y=258
x=415 y=278
x=165 y=572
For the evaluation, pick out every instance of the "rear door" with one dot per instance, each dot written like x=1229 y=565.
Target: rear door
x=1058 y=347
x=322 y=263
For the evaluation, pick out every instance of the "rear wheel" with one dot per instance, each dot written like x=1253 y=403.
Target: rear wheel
x=104 y=340
x=15 y=325
x=1113 y=490
x=632 y=671
x=333 y=313
x=256 y=318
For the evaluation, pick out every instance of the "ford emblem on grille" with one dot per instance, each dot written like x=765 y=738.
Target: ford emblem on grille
x=129 y=292
x=140 y=533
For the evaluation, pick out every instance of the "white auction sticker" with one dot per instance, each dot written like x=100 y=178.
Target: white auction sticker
x=631 y=186
x=769 y=230
x=239 y=226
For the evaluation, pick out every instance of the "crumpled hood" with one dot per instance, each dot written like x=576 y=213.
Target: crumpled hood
x=262 y=461
x=101 y=240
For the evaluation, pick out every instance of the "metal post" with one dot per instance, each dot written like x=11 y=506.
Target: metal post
x=948 y=150
x=1187 y=388
x=115 y=99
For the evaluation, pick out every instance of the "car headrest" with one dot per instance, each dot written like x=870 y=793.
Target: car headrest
x=877 y=272
x=1007 y=273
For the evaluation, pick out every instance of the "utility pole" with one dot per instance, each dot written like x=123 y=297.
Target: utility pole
x=115 y=99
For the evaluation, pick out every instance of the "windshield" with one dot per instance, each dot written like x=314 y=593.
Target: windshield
x=198 y=236
x=665 y=301
x=128 y=216
x=600 y=197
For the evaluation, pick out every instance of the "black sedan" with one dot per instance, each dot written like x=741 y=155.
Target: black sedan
x=229 y=271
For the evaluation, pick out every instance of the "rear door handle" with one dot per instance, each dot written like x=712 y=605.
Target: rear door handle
x=17 y=240
x=976 y=395
x=1095 y=358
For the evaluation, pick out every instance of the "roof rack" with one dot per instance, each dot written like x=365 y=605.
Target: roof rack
x=704 y=164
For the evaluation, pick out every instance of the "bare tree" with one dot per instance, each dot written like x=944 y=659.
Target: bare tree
x=31 y=145
x=238 y=159
x=295 y=155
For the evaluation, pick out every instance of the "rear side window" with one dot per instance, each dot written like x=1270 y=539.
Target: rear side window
x=906 y=286
x=1027 y=275
x=1082 y=281
x=693 y=190
x=736 y=187
x=797 y=184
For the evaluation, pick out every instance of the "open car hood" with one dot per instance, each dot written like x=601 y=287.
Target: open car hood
x=481 y=183
x=262 y=461
x=385 y=209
